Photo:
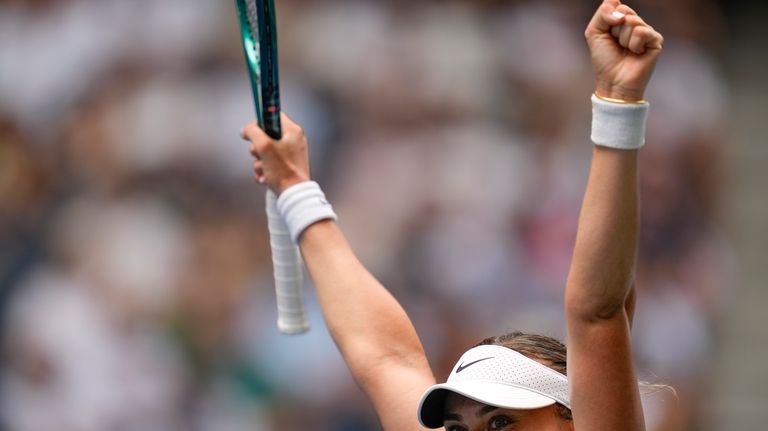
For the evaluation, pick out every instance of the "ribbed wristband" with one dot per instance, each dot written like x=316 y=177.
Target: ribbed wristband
x=618 y=125
x=302 y=205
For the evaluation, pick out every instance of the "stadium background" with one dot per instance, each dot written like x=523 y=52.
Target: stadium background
x=451 y=136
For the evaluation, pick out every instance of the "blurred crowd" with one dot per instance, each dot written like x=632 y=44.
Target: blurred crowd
x=452 y=138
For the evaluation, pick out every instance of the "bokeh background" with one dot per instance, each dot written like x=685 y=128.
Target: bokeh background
x=452 y=138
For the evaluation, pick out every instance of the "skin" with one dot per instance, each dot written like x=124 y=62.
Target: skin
x=376 y=337
x=464 y=414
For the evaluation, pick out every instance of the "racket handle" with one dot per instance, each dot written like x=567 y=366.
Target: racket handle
x=289 y=273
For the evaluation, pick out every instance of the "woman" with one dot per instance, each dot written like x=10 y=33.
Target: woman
x=515 y=381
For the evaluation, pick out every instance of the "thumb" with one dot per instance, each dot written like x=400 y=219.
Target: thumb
x=606 y=17
x=252 y=132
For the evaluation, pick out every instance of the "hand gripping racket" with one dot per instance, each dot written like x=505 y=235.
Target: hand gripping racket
x=259 y=32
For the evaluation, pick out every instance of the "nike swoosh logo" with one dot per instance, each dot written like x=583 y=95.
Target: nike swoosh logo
x=463 y=367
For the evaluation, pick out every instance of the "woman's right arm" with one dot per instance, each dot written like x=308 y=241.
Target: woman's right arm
x=370 y=328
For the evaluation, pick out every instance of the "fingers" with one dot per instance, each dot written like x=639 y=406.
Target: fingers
x=644 y=38
x=260 y=141
x=252 y=131
x=625 y=26
x=286 y=121
x=631 y=16
x=291 y=130
x=637 y=36
x=606 y=17
x=631 y=22
x=258 y=171
x=277 y=159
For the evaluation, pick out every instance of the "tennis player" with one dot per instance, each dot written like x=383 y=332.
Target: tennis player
x=515 y=381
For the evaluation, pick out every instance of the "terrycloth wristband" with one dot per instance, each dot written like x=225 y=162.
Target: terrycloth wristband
x=618 y=125
x=302 y=205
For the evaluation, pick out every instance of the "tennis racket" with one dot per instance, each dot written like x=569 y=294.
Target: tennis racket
x=259 y=32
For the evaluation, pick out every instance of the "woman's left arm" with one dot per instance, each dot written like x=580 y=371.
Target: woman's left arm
x=599 y=294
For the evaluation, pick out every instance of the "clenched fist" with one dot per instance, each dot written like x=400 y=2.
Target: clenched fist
x=624 y=50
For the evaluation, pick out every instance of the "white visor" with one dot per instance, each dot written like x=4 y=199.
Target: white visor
x=496 y=376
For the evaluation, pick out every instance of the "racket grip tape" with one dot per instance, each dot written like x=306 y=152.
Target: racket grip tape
x=288 y=273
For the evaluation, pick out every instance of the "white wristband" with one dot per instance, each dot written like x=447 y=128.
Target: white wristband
x=618 y=125
x=302 y=205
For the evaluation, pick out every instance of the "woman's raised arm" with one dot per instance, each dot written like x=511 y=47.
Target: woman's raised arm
x=599 y=293
x=370 y=328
